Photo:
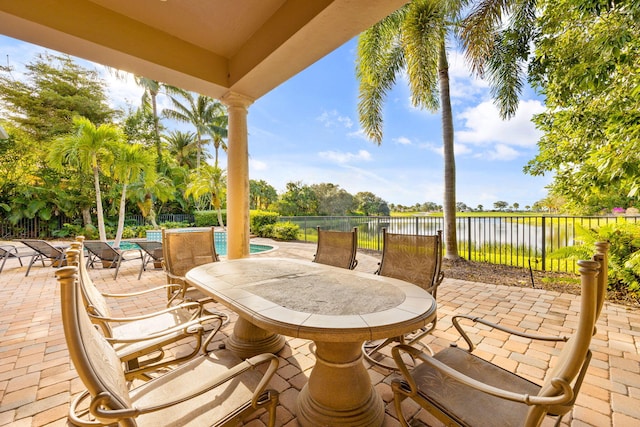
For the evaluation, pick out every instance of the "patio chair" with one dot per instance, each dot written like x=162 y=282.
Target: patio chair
x=109 y=256
x=44 y=250
x=140 y=341
x=216 y=388
x=151 y=252
x=416 y=259
x=184 y=250
x=337 y=248
x=460 y=388
x=11 y=251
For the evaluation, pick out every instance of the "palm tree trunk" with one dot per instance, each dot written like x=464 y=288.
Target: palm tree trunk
x=96 y=183
x=156 y=128
x=121 y=212
x=86 y=216
x=450 y=239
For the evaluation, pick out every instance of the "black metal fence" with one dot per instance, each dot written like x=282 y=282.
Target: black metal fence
x=140 y=220
x=31 y=228
x=523 y=241
x=35 y=228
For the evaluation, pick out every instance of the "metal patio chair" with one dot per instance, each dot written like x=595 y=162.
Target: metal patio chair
x=44 y=250
x=337 y=248
x=460 y=388
x=216 y=388
x=11 y=251
x=108 y=256
x=151 y=253
x=141 y=341
x=416 y=259
x=182 y=251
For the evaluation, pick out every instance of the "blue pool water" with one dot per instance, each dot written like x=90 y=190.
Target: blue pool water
x=220 y=241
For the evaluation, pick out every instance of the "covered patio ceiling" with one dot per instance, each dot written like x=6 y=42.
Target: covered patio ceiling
x=208 y=46
x=232 y=50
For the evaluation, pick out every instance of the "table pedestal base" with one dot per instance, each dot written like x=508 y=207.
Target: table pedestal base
x=339 y=391
x=248 y=340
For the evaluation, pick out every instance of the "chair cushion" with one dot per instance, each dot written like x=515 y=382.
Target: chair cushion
x=472 y=407
x=194 y=375
x=145 y=327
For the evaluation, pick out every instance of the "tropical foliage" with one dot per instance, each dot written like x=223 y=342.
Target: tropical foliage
x=624 y=253
x=586 y=65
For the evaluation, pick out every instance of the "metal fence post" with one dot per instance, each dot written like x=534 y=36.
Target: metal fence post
x=544 y=244
x=469 y=237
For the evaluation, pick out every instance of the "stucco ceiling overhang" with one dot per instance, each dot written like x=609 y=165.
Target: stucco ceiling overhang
x=208 y=46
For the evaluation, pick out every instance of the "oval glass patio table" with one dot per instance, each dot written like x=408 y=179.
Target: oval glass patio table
x=337 y=308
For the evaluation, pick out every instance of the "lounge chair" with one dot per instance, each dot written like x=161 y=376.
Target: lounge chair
x=44 y=250
x=216 y=388
x=460 y=388
x=416 y=259
x=11 y=251
x=151 y=252
x=109 y=256
x=337 y=248
x=140 y=341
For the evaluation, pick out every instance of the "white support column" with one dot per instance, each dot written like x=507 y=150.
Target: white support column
x=237 y=176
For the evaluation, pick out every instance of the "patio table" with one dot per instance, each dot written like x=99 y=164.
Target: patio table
x=337 y=308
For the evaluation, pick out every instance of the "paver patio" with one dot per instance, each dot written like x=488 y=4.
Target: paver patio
x=37 y=381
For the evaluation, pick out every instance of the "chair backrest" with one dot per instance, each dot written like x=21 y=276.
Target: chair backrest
x=152 y=248
x=102 y=250
x=94 y=301
x=337 y=248
x=184 y=250
x=575 y=355
x=413 y=258
x=95 y=360
x=43 y=247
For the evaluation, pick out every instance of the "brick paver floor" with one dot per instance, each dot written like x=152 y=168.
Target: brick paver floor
x=37 y=381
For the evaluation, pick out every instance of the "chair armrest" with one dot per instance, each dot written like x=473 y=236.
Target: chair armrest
x=190 y=327
x=100 y=401
x=185 y=305
x=133 y=294
x=174 y=276
x=563 y=398
x=456 y=323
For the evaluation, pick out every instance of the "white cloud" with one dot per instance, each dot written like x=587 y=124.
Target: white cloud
x=333 y=118
x=502 y=152
x=483 y=125
x=257 y=165
x=402 y=140
x=340 y=157
x=122 y=88
x=462 y=84
x=359 y=134
x=458 y=149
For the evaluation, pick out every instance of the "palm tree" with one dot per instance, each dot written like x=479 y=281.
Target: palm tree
x=218 y=132
x=90 y=148
x=182 y=147
x=208 y=181
x=150 y=101
x=413 y=39
x=202 y=112
x=131 y=161
x=499 y=51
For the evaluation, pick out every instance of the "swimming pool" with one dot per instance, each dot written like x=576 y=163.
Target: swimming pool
x=220 y=240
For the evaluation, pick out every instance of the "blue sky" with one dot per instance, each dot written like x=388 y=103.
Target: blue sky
x=307 y=130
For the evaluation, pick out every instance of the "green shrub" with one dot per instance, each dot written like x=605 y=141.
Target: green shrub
x=208 y=218
x=258 y=220
x=624 y=253
x=281 y=231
